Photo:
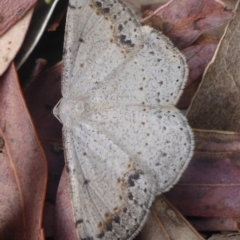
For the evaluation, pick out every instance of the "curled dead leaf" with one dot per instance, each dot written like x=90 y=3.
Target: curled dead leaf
x=12 y=40
x=23 y=165
x=184 y=21
x=12 y=11
x=165 y=222
x=216 y=104
x=210 y=185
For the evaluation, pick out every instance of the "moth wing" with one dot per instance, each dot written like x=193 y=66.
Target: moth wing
x=107 y=50
x=108 y=62
x=99 y=36
x=158 y=139
x=155 y=76
x=111 y=193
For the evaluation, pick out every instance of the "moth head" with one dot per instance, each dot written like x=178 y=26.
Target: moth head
x=65 y=111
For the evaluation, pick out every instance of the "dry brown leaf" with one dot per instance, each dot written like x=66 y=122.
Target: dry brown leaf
x=23 y=169
x=183 y=21
x=48 y=218
x=165 y=223
x=217 y=102
x=11 y=11
x=188 y=93
x=64 y=219
x=41 y=235
x=233 y=236
x=41 y=95
x=12 y=40
x=212 y=224
x=197 y=56
x=210 y=185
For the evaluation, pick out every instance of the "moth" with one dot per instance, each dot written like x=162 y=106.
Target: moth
x=125 y=142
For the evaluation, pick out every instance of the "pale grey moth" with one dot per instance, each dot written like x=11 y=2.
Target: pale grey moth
x=124 y=140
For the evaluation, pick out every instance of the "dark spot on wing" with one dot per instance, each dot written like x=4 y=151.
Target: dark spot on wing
x=124 y=41
x=109 y=226
x=98 y=4
x=106 y=10
x=120 y=27
x=86 y=182
x=136 y=175
x=132 y=178
x=116 y=219
x=131 y=182
x=130 y=196
x=78 y=222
